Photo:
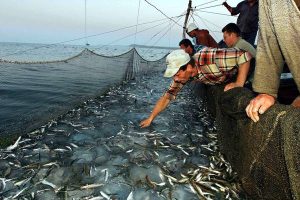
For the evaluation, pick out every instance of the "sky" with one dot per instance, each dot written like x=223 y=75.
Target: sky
x=55 y=21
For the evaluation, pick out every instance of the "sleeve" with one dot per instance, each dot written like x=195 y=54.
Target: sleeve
x=269 y=60
x=173 y=90
x=236 y=10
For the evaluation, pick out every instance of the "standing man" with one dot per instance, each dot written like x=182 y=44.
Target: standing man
x=278 y=42
x=201 y=37
x=248 y=18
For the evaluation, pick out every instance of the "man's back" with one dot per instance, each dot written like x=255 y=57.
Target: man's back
x=246 y=46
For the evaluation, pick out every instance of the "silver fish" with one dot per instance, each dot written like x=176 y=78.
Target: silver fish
x=91 y=186
x=15 y=145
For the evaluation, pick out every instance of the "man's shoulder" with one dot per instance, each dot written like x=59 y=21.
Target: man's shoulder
x=242 y=42
x=243 y=3
x=202 y=32
x=246 y=46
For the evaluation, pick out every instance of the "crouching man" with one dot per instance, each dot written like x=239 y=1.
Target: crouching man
x=209 y=66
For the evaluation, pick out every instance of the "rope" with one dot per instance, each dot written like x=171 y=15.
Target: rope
x=205 y=3
x=215 y=13
x=219 y=27
x=163 y=35
x=137 y=21
x=209 y=7
x=162 y=13
x=206 y=26
x=129 y=35
x=76 y=39
x=164 y=28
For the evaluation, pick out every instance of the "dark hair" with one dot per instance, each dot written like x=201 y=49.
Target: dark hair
x=186 y=43
x=232 y=28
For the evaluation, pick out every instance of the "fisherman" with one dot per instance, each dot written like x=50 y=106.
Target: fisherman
x=232 y=38
x=209 y=66
x=248 y=18
x=201 y=37
x=278 y=42
x=188 y=47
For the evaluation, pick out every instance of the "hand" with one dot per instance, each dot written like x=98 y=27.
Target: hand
x=259 y=104
x=229 y=86
x=145 y=123
x=296 y=102
x=225 y=3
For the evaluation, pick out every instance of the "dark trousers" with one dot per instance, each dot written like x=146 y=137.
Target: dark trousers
x=249 y=37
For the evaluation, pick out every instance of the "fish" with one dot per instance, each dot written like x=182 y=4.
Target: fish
x=156 y=153
x=20 y=192
x=29 y=146
x=96 y=198
x=91 y=186
x=25 y=140
x=19 y=183
x=3 y=185
x=49 y=183
x=73 y=145
x=130 y=196
x=105 y=195
x=68 y=147
x=60 y=150
x=106 y=174
x=14 y=146
x=129 y=151
x=50 y=164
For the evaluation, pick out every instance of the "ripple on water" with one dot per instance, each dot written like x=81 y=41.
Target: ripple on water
x=98 y=150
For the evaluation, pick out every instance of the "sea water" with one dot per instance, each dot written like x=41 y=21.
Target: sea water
x=30 y=95
x=97 y=150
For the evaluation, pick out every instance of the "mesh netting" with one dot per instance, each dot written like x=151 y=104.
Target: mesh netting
x=265 y=154
x=32 y=93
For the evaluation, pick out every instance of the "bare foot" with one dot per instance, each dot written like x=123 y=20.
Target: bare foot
x=296 y=102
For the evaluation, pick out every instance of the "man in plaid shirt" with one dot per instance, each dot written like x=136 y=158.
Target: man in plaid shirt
x=209 y=66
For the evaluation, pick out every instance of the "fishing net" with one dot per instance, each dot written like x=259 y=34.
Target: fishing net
x=32 y=93
x=265 y=154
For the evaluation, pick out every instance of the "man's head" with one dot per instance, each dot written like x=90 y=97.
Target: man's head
x=191 y=30
x=231 y=34
x=180 y=66
x=187 y=46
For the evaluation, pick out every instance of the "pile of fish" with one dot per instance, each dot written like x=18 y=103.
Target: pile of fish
x=98 y=151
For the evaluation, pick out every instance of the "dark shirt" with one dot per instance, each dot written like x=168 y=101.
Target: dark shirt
x=248 y=16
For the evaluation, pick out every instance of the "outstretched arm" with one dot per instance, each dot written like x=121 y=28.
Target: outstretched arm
x=161 y=104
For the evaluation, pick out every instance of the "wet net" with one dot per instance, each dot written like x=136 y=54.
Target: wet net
x=265 y=154
x=32 y=93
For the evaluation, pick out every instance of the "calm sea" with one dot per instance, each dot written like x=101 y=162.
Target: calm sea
x=80 y=130
x=31 y=95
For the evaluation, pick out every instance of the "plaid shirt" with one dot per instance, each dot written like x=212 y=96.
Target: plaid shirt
x=214 y=66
